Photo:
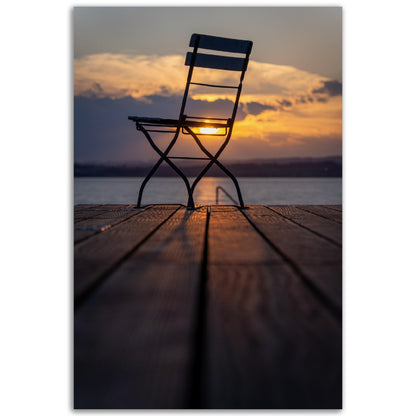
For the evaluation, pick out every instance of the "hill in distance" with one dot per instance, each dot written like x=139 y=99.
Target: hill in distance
x=330 y=167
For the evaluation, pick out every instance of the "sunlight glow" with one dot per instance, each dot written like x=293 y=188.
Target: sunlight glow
x=208 y=130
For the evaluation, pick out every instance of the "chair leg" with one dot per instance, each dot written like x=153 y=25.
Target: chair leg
x=190 y=204
x=139 y=198
x=214 y=159
x=227 y=172
x=164 y=157
x=146 y=179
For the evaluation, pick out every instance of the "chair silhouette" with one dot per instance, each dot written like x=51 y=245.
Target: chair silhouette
x=194 y=125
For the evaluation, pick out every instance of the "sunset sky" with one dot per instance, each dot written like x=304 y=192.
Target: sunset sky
x=130 y=61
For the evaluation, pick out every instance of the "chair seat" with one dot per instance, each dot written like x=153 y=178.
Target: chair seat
x=174 y=123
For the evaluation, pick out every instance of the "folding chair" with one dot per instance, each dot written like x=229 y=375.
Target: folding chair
x=195 y=125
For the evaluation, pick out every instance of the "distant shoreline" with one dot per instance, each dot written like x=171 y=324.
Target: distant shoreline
x=289 y=168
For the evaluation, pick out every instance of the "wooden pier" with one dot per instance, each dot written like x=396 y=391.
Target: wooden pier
x=213 y=308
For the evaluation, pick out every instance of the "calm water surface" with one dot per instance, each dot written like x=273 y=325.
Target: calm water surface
x=301 y=191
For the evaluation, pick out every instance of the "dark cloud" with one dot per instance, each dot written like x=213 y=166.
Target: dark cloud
x=301 y=100
x=332 y=88
x=97 y=87
x=164 y=90
x=304 y=99
x=286 y=103
x=102 y=132
x=257 y=108
x=95 y=90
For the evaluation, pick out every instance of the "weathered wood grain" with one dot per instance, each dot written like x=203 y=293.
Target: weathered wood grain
x=256 y=336
x=80 y=235
x=106 y=218
x=95 y=220
x=335 y=207
x=134 y=336
x=102 y=211
x=323 y=211
x=319 y=261
x=270 y=342
x=321 y=226
x=80 y=215
x=82 y=207
x=94 y=257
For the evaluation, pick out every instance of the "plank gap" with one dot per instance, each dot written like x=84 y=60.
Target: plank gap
x=88 y=231
x=302 y=207
x=81 y=298
x=196 y=387
x=319 y=294
x=305 y=227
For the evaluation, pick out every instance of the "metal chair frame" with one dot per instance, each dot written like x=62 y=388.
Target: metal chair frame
x=185 y=123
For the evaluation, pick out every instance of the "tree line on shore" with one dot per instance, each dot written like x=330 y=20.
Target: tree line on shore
x=329 y=168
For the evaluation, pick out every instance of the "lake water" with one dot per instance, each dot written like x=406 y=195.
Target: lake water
x=275 y=191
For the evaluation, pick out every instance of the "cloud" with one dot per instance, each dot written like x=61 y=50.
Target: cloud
x=256 y=108
x=283 y=110
x=286 y=103
x=120 y=75
x=332 y=88
x=103 y=133
x=314 y=121
x=138 y=76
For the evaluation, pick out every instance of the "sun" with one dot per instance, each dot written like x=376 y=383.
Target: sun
x=208 y=130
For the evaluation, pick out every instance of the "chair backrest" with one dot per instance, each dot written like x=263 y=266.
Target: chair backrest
x=217 y=62
x=219 y=44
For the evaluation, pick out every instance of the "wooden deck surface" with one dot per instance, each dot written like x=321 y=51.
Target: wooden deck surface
x=212 y=308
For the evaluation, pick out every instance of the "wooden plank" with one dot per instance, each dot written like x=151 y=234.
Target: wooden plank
x=270 y=343
x=221 y=44
x=324 y=212
x=113 y=207
x=82 y=212
x=81 y=207
x=90 y=211
x=102 y=220
x=82 y=232
x=80 y=235
x=93 y=258
x=229 y=63
x=336 y=207
x=321 y=226
x=319 y=261
x=80 y=215
x=134 y=335
x=106 y=218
